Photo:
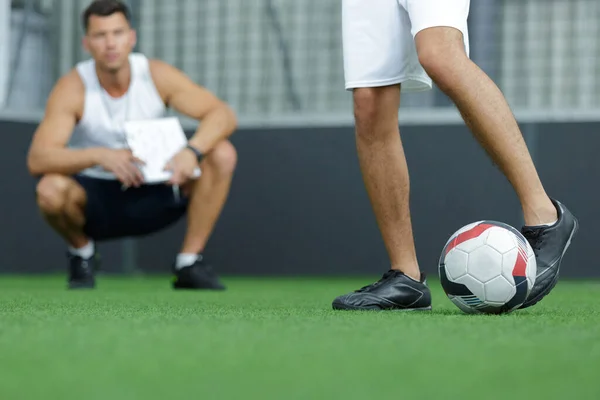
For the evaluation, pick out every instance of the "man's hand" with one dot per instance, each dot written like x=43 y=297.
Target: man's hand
x=123 y=164
x=182 y=167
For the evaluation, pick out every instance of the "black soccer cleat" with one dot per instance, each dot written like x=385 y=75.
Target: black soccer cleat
x=197 y=276
x=394 y=291
x=549 y=244
x=81 y=272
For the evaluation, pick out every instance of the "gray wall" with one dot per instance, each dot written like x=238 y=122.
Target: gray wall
x=298 y=207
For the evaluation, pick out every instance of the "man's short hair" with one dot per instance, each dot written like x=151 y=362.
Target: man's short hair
x=104 y=8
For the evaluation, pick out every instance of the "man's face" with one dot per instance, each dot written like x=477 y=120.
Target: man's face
x=109 y=40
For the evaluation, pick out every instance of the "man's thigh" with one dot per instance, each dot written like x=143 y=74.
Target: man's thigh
x=378 y=46
x=112 y=212
x=426 y=14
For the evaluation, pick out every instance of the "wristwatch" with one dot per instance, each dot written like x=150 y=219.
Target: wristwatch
x=197 y=152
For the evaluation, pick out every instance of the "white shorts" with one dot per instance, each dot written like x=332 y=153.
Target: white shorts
x=378 y=39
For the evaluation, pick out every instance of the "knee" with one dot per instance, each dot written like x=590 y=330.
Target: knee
x=52 y=194
x=223 y=158
x=376 y=113
x=442 y=62
x=365 y=105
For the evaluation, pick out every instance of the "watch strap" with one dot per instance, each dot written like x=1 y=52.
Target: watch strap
x=197 y=152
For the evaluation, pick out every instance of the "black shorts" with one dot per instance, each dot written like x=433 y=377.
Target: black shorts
x=113 y=213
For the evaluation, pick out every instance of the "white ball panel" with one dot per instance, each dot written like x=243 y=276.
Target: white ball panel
x=471 y=245
x=501 y=239
x=484 y=264
x=499 y=290
x=508 y=264
x=531 y=271
x=456 y=264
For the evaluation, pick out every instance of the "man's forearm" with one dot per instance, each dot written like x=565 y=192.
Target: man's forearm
x=215 y=127
x=61 y=161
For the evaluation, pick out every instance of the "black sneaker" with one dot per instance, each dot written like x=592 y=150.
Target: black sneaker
x=394 y=291
x=549 y=244
x=81 y=271
x=197 y=276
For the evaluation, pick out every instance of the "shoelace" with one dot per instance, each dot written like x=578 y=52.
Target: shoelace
x=385 y=276
x=535 y=237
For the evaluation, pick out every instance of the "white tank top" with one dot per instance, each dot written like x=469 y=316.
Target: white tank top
x=103 y=116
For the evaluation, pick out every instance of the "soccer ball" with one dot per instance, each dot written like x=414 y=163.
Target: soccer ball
x=487 y=267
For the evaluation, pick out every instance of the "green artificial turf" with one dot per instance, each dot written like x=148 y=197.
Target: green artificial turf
x=135 y=338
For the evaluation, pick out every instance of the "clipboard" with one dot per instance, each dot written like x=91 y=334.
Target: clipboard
x=156 y=141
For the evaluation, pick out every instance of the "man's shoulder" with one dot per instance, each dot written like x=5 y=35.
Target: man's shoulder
x=69 y=90
x=158 y=66
x=143 y=61
x=70 y=82
x=157 y=70
x=164 y=75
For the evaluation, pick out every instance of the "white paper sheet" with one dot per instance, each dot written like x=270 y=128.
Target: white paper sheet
x=156 y=141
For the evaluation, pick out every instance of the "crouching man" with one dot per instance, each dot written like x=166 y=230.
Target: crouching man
x=90 y=185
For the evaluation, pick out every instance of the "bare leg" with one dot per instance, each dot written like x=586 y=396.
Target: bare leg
x=208 y=195
x=487 y=114
x=61 y=201
x=385 y=172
